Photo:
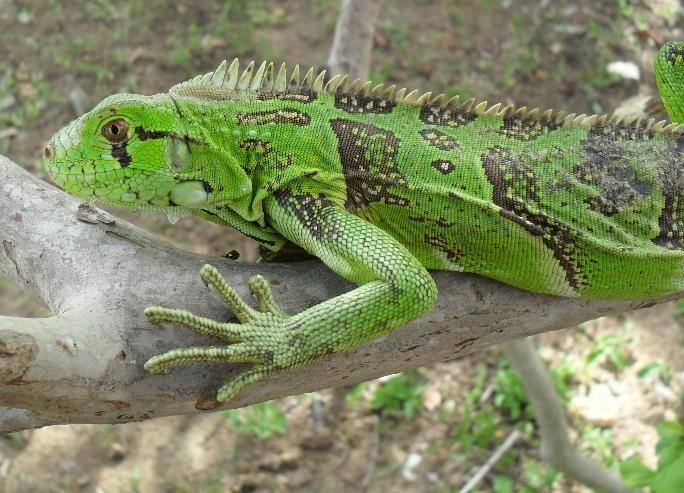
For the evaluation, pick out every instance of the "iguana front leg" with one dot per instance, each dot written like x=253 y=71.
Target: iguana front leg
x=395 y=288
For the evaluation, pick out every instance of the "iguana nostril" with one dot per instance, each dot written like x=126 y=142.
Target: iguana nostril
x=49 y=152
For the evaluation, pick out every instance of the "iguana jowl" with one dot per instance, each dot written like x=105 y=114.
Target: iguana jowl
x=381 y=186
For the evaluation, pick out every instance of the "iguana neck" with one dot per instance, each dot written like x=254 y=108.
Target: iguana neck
x=241 y=150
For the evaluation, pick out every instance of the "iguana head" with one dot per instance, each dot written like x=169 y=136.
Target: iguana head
x=136 y=152
x=669 y=71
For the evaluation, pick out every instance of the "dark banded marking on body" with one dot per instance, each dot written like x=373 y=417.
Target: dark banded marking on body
x=444 y=115
x=674 y=54
x=625 y=131
x=609 y=167
x=444 y=166
x=280 y=165
x=671 y=235
x=150 y=134
x=509 y=176
x=438 y=139
x=368 y=155
x=261 y=147
x=671 y=218
x=526 y=129
x=284 y=115
x=357 y=103
x=304 y=96
x=440 y=243
x=144 y=134
x=120 y=153
x=309 y=209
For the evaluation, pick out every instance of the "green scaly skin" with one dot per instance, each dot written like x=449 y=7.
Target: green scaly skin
x=382 y=186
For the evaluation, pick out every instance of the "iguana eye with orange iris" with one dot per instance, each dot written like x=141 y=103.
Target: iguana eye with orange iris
x=115 y=130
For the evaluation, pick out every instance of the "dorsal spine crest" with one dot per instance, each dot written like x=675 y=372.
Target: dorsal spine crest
x=265 y=79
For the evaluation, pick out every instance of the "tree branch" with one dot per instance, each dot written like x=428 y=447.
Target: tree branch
x=97 y=273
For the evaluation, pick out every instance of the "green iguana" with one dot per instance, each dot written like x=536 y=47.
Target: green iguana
x=382 y=185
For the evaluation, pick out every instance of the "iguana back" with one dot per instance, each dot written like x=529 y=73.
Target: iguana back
x=565 y=205
x=560 y=205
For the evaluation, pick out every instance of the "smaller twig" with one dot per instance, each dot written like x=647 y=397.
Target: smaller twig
x=487 y=393
x=318 y=411
x=493 y=459
x=338 y=400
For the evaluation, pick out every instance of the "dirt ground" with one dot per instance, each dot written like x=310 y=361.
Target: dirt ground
x=620 y=376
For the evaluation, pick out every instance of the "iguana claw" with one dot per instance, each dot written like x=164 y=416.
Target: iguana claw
x=258 y=337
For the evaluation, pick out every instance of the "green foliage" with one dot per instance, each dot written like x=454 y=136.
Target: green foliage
x=479 y=425
x=106 y=437
x=609 y=349
x=134 y=483
x=598 y=442
x=502 y=484
x=402 y=394
x=657 y=369
x=679 y=308
x=539 y=478
x=563 y=376
x=519 y=59
x=262 y=420
x=669 y=475
x=509 y=394
x=355 y=396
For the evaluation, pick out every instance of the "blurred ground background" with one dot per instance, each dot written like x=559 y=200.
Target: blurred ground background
x=425 y=430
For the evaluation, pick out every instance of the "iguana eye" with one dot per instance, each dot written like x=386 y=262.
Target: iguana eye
x=115 y=130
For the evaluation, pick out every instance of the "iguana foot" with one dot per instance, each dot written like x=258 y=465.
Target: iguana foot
x=260 y=338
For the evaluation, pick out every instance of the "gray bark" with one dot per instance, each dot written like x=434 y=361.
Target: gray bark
x=353 y=41
x=97 y=273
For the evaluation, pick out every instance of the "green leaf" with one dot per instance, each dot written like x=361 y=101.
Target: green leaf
x=502 y=484
x=671 y=478
x=402 y=393
x=635 y=473
x=263 y=420
x=679 y=308
x=670 y=447
x=656 y=369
